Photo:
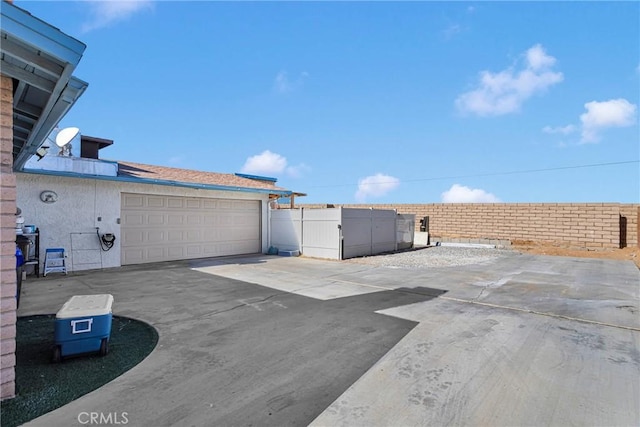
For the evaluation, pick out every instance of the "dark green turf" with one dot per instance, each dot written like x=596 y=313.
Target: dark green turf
x=42 y=386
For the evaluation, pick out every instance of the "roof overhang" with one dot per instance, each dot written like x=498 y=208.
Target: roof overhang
x=40 y=59
x=135 y=180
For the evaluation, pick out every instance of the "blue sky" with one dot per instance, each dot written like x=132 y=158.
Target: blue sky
x=370 y=102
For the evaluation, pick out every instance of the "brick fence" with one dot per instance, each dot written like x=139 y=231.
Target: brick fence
x=571 y=225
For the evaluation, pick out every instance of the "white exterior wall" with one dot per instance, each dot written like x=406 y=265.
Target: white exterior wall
x=286 y=229
x=71 y=222
x=73 y=164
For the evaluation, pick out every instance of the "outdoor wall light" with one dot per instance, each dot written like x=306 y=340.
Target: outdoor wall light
x=48 y=196
x=41 y=152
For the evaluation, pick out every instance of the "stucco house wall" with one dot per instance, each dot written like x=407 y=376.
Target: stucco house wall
x=71 y=221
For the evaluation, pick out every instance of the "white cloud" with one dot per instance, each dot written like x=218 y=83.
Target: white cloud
x=375 y=186
x=505 y=92
x=272 y=164
x=266 y=162
x=451 y=31
x=461 y=194
x=106 y=13
x=606 y=114
x=563 y=130
x=283 y=84
x=538 y=59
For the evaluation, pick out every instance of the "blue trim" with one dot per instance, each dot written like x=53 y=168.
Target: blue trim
x=70 y=94
x=39 y=34
x=157 y=182
x=78 y=85
x=257 y=177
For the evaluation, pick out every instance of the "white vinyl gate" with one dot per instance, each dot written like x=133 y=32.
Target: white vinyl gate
x=340 y=233
x=165 y=228
x=368 y=232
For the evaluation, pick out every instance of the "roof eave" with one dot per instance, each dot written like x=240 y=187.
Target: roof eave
x=54 y=111
x=40 y=35
x=50 y=46
x=282 y=193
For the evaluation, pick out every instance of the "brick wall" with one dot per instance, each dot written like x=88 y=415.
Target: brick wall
x=572 y=225
x=629 y=221
x=7 y=243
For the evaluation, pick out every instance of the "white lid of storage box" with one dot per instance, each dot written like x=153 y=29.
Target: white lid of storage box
x=86 y=305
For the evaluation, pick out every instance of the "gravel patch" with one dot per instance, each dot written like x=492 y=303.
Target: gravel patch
x=434 y=256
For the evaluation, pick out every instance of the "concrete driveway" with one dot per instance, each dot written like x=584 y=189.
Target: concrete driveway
x=262 y=340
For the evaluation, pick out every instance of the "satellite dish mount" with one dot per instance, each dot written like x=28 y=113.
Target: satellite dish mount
x=64 y=138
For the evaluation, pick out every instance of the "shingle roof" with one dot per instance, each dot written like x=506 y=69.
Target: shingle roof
x=163 y=173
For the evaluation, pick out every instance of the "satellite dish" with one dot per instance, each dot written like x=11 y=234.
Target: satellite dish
x=65 y=136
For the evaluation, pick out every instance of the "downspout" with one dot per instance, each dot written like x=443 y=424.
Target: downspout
x=371 y=231
x=395 y=225
x=301 y=241
x=268 y=224
x=340 y=237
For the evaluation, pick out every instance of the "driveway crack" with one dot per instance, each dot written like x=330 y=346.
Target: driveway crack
x=243 y=303
x=484 y=288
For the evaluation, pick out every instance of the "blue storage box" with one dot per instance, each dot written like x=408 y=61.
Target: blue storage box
x=83 y=325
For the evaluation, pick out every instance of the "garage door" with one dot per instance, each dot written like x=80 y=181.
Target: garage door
x=165 y=228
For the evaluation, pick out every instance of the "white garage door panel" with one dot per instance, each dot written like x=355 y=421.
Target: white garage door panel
x=155 y=252
x=209 y=204
x=193 y=204
x=194 y=236
x=243 y=234
x=193 y=219
x=155 y=236
x=245 y=205
x=132 y=200
x=164 y=228
x=176 y=252
x=156 y=202
x=136 y=256
x=154 y=219
x=174 y=219
x=194 y=251
x=133 y=238
x=225 y=204
x=243 y=220
x=175 y=236
x=133 y=218
x=173 y=202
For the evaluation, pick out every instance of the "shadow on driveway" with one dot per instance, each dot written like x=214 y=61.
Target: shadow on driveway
x=230 y=352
